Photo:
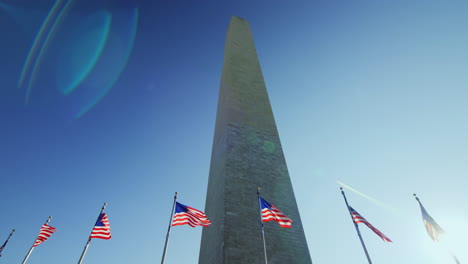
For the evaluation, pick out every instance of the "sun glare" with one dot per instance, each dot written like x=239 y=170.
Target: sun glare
x=455 y=238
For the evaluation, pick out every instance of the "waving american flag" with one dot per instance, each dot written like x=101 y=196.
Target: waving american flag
x=186 y=215
x=44 y=234
x=101 y=228
x=270 y=212
x=357 y=218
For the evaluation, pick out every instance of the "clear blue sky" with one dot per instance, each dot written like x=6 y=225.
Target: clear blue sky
x=369 y=93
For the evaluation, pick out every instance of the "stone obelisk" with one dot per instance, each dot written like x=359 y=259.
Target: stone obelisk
x=247 y=154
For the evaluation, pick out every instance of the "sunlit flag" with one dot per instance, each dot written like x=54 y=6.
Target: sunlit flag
x=433 y=229
x=44 y=234
x=270 y=212
x=186 y=215
x=101 y=228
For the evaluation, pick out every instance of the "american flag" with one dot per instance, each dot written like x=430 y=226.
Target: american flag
x=270 y=212
x=101 y=228
x=186 y=215
x=359 y=219
x=433 y=229
x=44 y=234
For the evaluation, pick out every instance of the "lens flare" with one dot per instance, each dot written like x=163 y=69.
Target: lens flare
x=85 y=54
x=38 y=40
x=113 y=60
x=82 y=51
x=27 y=19
x=454 y=240
x=45 y=46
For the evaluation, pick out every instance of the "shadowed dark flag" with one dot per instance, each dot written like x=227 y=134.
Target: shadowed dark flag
x=357 y=218
x=6 y=241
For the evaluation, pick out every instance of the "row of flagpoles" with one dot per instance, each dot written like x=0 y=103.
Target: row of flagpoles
x=100 y=230
x=433 y=229
x=182 y=214
x=186 y=215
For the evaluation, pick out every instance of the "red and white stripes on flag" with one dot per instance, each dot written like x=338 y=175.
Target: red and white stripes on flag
x=357 y=218
x=433 y=229
x=44 y=234
x=270 y=212
x=186 y=215
x=101 y=228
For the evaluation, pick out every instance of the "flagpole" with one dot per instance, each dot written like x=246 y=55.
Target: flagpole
x=454 y=257
x=6 y=241
x=169 y=229
x=32 y=247
x=356 y=226
x=89 y=239
x=261 y=223
x=417 y=198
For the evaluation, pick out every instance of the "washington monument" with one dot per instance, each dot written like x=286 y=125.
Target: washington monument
x=247 y=154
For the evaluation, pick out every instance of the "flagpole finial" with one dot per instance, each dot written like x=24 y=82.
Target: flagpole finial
x=341 y=188
x=416 y=197
x=50 y=217
x=13 y=230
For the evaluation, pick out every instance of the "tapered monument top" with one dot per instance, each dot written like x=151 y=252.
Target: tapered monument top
x=247 y=154
x=243 y=98
x=239 y=18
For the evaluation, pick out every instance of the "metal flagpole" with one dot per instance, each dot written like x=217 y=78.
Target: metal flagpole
x=89 y=239
x=356 y=226
x=261 y=223
x=454 y=257
x=169 y=229
x=32 y=247
x=6 y=241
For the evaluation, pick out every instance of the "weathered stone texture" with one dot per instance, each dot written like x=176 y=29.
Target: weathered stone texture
x=247 y=153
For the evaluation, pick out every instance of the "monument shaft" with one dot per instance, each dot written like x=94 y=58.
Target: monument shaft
x=247 y=154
